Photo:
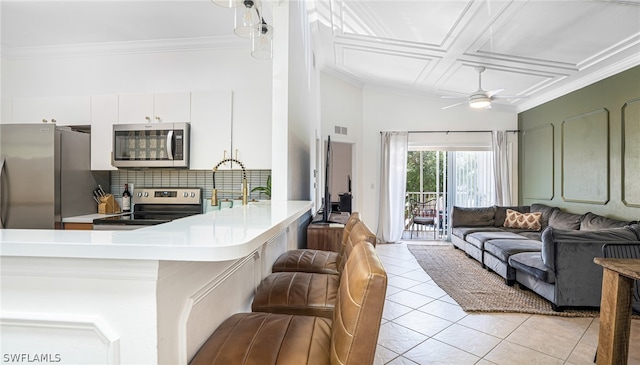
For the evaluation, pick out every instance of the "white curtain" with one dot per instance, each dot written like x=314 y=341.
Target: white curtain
x=393 y=184
x=501 y=168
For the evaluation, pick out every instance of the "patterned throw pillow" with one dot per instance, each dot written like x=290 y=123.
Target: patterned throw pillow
x=519 y=220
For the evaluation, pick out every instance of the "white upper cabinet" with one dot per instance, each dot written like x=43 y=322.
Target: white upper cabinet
x=252 y=128
x=227 y=124
x=210 y=128
x=61 y=110
x=5 y=116
x=154 y=108
x=104 y=114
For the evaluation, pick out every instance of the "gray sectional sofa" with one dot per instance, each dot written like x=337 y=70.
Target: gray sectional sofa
x=556 y=261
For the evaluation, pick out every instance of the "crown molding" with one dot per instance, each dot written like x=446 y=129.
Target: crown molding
x=586 y=80
x=119 y=48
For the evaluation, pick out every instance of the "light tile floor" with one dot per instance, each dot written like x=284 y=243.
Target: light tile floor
x=421 y=324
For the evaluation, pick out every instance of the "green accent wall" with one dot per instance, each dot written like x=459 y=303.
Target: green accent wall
x=580 y=151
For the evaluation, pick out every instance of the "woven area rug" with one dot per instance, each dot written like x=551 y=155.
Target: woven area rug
x=478 y=290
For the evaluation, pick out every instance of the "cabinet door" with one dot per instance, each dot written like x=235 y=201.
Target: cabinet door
x=65 y=110
x=5 y=115
x=172 y=107
x=252 y=128
x=135 y=108
x=104 y=114
x=210 y=128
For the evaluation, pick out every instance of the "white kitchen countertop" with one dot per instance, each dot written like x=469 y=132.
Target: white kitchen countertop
x=227 y=234
x=88 y=218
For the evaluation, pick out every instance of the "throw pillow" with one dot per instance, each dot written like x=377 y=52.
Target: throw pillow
x=519 y=220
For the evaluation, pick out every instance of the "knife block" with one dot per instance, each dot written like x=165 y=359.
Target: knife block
x=108 y=205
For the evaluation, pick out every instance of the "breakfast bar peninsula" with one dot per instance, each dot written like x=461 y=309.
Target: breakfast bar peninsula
x=149 y=296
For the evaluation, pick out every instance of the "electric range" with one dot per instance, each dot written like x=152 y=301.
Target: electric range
x=153 y=206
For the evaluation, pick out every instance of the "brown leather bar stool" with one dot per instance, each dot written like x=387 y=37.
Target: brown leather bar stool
x=316 y=261
x=305 y=293
x=349 y=337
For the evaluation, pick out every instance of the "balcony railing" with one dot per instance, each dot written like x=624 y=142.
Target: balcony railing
x=442 y=218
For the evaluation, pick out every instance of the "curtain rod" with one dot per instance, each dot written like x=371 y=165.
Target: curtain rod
x=447 y=132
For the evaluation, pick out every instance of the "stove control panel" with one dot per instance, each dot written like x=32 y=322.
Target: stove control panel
x=168 y=196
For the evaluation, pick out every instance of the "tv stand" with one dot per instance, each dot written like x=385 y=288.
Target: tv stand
x=327 y=236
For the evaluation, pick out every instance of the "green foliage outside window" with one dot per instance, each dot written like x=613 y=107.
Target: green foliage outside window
x=429 y=168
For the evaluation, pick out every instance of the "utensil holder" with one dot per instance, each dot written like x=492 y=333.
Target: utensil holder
x=108 y=205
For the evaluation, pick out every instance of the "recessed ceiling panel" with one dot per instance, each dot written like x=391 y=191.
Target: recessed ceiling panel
x=568 y=32
x=422 y=22
x=381 y=66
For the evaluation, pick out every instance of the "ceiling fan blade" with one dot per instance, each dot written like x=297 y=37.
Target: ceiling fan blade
x=494 y=92
x=510 y=96
x=453 y=97
x=456 y=104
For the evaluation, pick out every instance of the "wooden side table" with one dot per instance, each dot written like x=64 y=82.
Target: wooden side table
x=615 y=309
x=327 y=236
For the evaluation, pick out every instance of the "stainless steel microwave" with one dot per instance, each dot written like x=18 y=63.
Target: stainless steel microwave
x=151 y=145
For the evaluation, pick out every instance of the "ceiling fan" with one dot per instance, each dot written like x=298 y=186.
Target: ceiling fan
x=481 y=99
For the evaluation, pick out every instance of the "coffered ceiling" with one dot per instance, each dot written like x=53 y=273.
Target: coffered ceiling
x=540 y=48
x=543 y=49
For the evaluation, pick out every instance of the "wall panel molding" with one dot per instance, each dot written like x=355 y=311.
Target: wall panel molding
x=538 y=162
x=585 y=158
x=631 y=153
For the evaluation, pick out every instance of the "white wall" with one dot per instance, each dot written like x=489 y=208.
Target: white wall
x=199 y=70
x=386 y=111
x=304 y=98
x=341 y=105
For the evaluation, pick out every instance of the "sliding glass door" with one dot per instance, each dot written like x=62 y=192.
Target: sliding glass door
x=447 y=177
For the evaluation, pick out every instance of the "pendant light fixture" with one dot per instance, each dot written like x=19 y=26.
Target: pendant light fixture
x=227 y=3
x=247 y=18
x=249 y=23
x=262 y=41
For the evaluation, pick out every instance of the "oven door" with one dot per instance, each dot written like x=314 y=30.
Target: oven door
x=151 y=145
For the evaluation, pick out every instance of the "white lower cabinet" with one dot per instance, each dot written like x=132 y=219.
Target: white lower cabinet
x=104 y=114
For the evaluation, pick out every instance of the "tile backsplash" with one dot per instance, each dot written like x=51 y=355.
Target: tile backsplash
x=161 y=178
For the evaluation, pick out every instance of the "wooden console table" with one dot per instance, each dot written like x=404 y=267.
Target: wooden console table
x=327 y=236
x=615 y=309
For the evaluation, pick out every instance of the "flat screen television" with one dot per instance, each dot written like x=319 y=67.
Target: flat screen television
x=326 y=200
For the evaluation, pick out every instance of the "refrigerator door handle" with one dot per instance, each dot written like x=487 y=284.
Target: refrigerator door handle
x=1 y=204
x=170 y=145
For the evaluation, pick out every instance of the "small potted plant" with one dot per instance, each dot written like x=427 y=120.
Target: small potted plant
x=266 y=190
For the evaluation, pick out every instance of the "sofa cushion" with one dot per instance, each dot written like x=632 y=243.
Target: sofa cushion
x=592 y=222
x=503 y=248
x=545 y=210
x=462 y=232
x=532 y=235
x=523 y=220
x=565 y=220
x=531 y=263
x=501 y=213
x=472 y=217
x=551 y=235
x=478 y=239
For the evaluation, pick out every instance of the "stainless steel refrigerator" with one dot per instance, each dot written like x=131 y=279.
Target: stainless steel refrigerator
x=45 y=175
